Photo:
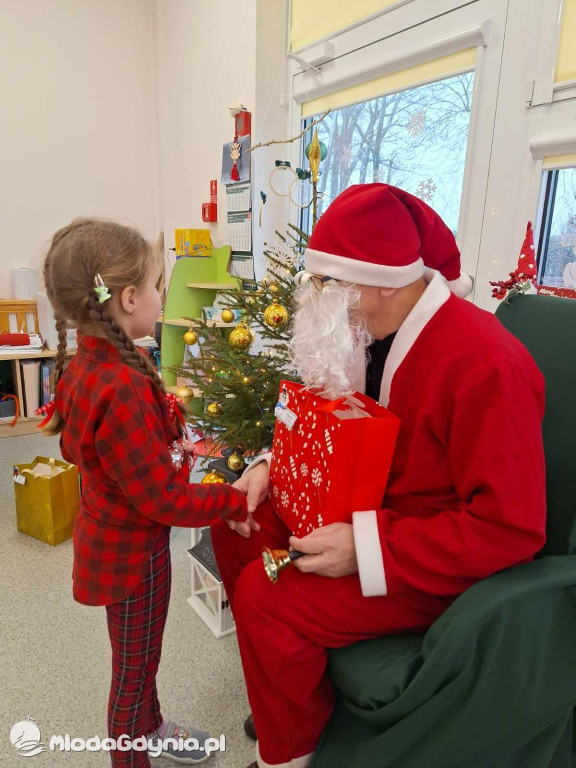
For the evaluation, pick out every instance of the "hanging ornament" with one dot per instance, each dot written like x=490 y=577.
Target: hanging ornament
x=241 y=337
x=276 y=316
x=263 y=197
x=316 y=152
x=258 y=424
x=282 y=175
x=213 y=477
x=214 y=409
x=236 y=462
x=184 y=393
x=190 y=337
x=235 y=149
x=228 y=316
x=301 y=189
x=322 y=146
x=274 y=288
x=266 y=281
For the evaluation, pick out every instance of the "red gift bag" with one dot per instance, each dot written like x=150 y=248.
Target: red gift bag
x=329 y=458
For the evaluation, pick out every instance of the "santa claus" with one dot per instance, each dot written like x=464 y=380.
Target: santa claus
x=382 y=310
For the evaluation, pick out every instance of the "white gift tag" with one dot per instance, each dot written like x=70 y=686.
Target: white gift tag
x=20 y=479
x=286 y=416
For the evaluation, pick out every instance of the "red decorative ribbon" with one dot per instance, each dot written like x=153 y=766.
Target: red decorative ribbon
x=334 y=405
x=173 y=401
x=17 y=414
x=47 y=411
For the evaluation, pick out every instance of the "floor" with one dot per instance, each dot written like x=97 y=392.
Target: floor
x=55 y=655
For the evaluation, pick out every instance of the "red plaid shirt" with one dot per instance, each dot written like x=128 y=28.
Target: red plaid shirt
x=118 y=431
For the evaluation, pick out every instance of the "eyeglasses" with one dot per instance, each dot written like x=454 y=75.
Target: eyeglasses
x=319 y=280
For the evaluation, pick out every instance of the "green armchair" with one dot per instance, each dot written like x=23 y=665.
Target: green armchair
x=492 y=684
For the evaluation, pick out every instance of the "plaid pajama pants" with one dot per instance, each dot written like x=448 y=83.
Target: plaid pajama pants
x=136 y=627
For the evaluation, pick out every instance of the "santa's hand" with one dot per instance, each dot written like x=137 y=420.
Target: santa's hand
x=330 y=551
x=255 y=484
x=245 y=527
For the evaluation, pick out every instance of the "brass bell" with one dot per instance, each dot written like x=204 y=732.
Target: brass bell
x=275 y=560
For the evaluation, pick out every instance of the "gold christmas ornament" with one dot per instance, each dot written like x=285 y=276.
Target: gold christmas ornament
x=236 y=462
x=214 y=409
x=184 y=393
x=274 y=288
x=241 y=337
x=213 y=477
x=266 y=281
x=258 y=424
x=190 y=337
x=276 y=316
x=228 y=316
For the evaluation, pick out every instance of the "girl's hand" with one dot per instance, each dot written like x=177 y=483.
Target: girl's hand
x=188 y=446
x=255 y=484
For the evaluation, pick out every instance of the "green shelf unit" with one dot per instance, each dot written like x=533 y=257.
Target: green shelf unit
x=193 y=285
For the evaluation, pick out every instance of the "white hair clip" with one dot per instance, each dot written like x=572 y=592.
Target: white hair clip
x=100 y=289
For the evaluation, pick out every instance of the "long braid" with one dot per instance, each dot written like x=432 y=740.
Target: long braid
x=123 y=343
x=60 y=359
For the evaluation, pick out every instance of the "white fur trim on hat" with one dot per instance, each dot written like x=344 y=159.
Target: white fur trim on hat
x=462 y=286
x=362 y=272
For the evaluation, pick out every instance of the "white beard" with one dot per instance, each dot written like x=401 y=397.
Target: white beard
x=328 y=347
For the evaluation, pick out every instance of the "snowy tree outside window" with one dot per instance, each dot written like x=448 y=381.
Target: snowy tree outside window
x=415 y=139
x=557 y=244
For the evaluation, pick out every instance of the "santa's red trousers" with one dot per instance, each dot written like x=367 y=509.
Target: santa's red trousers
x=285 y=629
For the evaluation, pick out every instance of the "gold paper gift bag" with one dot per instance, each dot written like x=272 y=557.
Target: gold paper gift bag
x=47 y=497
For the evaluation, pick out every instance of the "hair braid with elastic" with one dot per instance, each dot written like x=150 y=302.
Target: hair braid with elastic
x=123 y=343
x=60 y=360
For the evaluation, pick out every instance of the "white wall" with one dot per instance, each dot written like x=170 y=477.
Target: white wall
x=77 y=132
x=271 y=121
x=207 y=61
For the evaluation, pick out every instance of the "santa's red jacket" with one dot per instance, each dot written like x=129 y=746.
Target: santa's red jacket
x=466 y=495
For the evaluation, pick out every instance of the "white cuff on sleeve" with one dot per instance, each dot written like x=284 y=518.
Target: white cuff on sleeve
x=369 y=554
x=267 y=457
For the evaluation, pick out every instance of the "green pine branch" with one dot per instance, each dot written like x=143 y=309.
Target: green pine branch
x=245 y=384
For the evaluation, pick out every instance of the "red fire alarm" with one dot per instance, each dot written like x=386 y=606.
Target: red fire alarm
x=210 y=210
x=243 y=124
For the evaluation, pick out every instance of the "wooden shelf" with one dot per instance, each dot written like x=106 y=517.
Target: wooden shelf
x=213 y=286
x=193 y=285
x=182 y=322
x=35 y=355
x=24 y=425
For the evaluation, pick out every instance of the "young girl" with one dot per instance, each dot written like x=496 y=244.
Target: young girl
x=124 y=432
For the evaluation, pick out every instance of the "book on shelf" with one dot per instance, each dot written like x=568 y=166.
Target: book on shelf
x=47 y=381
x=30 y=370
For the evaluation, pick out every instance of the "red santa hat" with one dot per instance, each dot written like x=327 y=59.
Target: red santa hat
x=376 y=234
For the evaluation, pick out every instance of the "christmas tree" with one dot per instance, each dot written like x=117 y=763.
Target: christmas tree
x=238 y=372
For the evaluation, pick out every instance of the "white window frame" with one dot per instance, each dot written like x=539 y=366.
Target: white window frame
x=409 y=34
x=524 y=133
x=545 y=90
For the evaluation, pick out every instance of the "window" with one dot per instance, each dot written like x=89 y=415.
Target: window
x=415 y=139
x=557 y=242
